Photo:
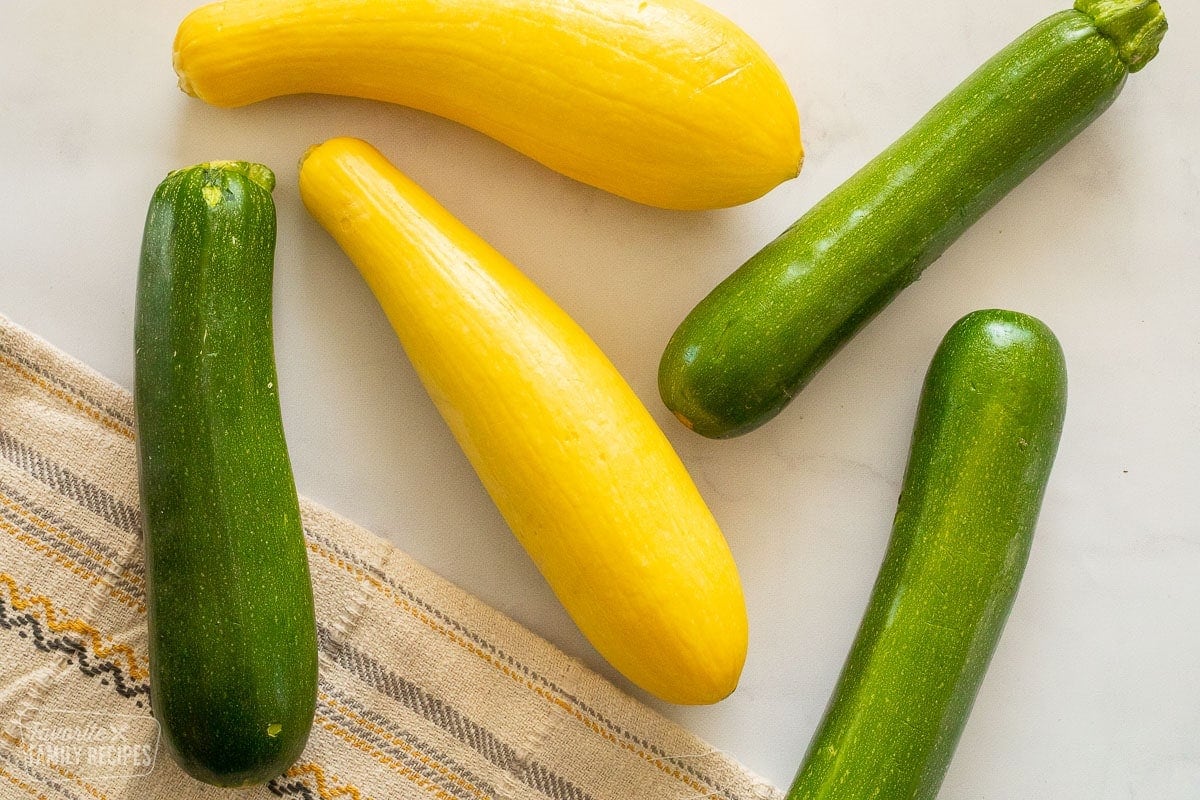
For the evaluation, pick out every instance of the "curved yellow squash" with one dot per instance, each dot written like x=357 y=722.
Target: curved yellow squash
x=664 y=102
x=581 y=472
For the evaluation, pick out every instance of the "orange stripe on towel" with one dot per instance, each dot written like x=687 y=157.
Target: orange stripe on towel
x=381 y=757
x=95 y=580
x=324 y=783
x=403 y=745
x=29 y=789
x=7 y=501
x=59 y=622
x=107 y=422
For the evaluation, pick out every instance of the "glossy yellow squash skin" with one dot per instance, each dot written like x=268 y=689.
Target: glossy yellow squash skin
x=664 y=102
x=580 y=470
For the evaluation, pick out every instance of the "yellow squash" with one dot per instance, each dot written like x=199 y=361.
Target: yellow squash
x=580 y=470
x=664 y=102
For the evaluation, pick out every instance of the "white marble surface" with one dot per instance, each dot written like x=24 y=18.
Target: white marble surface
x=1095 y=689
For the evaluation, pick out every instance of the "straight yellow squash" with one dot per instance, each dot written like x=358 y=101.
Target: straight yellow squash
x=664 y=102
x=580 y=470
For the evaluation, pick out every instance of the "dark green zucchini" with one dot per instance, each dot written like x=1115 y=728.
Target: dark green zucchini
x=986 y=434
x=742 y=354
x=233 y=655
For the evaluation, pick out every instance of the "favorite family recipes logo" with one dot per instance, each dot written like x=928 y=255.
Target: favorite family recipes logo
x=86 y=743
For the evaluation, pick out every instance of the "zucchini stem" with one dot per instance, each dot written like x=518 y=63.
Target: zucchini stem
x=1136 y=27
x=257 y=173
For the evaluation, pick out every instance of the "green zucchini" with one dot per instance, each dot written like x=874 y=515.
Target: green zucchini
x=233 y=653
x=987 y=430
x=742 y=354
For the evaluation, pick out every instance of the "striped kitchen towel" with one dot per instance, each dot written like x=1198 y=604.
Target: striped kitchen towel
x=425 y=691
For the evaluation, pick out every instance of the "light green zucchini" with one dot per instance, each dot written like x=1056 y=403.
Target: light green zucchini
x=745 y=351
x=987 y=431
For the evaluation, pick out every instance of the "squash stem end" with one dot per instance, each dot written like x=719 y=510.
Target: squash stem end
x=1136 y=27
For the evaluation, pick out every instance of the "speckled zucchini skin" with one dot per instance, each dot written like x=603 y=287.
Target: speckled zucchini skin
x=233 y=657
x=986 y=435
x=742 y=354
